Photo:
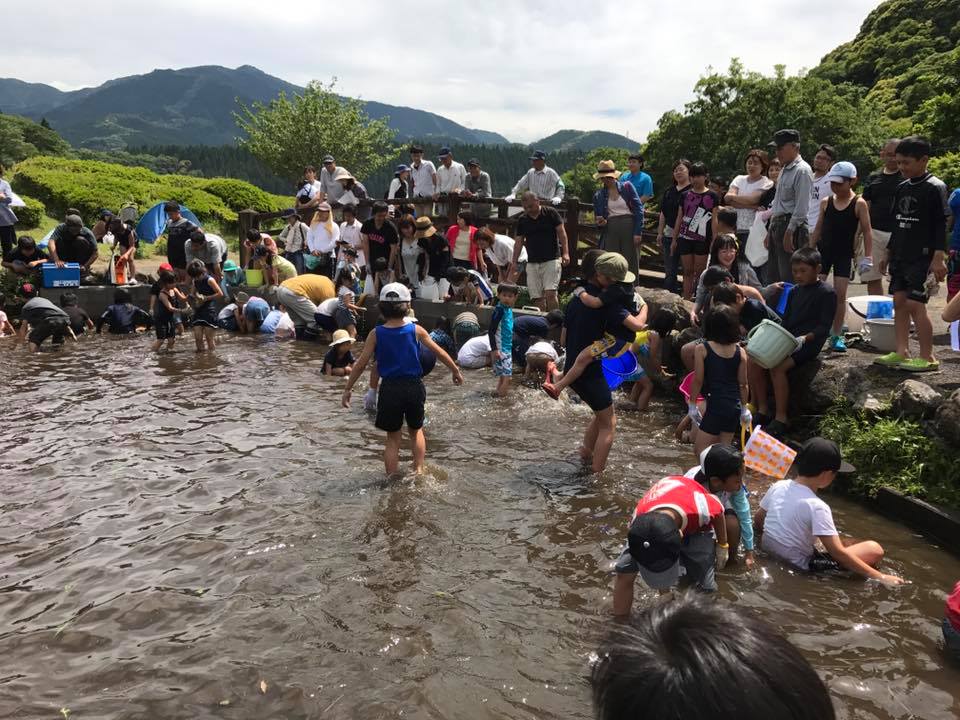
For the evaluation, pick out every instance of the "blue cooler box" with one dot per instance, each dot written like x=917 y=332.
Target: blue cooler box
x=54 y=277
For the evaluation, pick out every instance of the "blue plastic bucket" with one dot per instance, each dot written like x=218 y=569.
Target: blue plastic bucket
x=782 y=303
x=617 y=369
x=880 y=310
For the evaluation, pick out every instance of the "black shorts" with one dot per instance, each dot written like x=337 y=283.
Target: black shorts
x=808 y=352
x=344 y=318
x=325 y=322
x=911 y=278
x=822 y=562
x=692 y=247
x=838 y=259
x=400 y=399
x=592 y=388
x=55 y=328
x=722 y=416
x=165 y=329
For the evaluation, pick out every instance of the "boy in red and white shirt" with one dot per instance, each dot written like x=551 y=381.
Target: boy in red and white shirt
x=673 y=526
x=951 y=624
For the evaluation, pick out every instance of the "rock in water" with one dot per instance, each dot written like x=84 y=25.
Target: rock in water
x=915 y=400
x=657 y=298
x=947 y=422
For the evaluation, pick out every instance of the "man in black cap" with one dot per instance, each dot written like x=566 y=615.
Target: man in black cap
x=451 y=175
x=541 y=180
x=71 y=242
x=423 y=174
x=673 y=525
x=792 y=518
x=788 y=226
x=478 y=186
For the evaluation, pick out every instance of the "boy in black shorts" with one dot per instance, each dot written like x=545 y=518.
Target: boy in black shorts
x=810 y=310
x=841 y=215
x=915 y=254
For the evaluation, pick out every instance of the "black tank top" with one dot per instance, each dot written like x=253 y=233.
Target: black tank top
x=720 y=376
x=839 y=226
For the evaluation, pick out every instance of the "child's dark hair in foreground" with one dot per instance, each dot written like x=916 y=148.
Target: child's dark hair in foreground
x=692 y=656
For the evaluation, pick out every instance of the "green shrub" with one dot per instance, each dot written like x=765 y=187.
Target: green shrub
x=239 y=195
x=894 y=453
x=30 y=216
x=947 y=168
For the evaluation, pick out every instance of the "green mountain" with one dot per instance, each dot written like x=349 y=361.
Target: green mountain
x=907 y=55
x=584 y=141
x=191 y=106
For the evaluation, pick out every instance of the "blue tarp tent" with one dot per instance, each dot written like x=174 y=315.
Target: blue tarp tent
x=154 y=221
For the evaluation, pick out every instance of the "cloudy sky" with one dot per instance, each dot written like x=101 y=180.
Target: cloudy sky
x=504 y=66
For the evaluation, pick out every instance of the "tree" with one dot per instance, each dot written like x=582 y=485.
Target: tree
x=288 y=133
x=579 y=180
x=45 y=123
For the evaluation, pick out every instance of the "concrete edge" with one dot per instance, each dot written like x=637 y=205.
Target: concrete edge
x=938 y=522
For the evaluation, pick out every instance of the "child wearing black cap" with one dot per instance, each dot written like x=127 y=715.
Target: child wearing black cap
x=673 y=525
x=721 y=472
x=792 y=518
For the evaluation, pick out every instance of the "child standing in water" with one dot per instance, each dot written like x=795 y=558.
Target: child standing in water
x=720 y=370
x=165 y=316
x=205 y=291
x=647 y=346
x=501 y=337
x=395 y=344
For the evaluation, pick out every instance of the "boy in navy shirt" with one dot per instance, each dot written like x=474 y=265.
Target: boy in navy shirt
x=809 y=316
x=915 y=254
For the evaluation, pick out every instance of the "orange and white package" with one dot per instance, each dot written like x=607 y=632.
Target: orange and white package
x=767 y=455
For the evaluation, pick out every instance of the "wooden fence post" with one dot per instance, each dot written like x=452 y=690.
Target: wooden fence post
x=572 y=226
x=246 y=220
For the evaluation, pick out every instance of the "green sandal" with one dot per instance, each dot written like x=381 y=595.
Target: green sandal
x=919 y=365
x=890 y=360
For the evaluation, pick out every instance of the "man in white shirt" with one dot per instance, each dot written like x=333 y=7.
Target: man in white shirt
x=792 y=518
x=423 y=174
x=541 y=180
x=451 y=175
x=331 y=190
x=311 y=191
x=822 y=162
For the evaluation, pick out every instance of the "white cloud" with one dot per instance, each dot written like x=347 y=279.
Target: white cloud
x=517 y=69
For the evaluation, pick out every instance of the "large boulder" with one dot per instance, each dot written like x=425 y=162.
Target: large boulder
x=816 y=386
x=657 y=298
x=915 y=400
x=947 y=422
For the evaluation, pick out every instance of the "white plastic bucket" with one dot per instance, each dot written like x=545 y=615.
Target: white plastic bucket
x=770 y=344
x=429 y=290
x=883 y=335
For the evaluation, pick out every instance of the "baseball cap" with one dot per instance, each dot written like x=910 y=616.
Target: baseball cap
x=818 y=455
x=841 y=171
x=444 y=151
x=614 y=266
x=289 y=212
x=416 y=148
x=327 y=159
x=782 y=137
x=402 y=168
x=721 y=461
x=654 y=542
x=538 y=155
x=165 y=266
x=394 y=292
x=74 y=221
x=229 y=266
x=473 y=162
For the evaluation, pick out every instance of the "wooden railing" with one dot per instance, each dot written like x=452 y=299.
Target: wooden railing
x=581 y=235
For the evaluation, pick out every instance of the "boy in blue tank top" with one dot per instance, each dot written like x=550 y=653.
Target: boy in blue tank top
x=396 y=346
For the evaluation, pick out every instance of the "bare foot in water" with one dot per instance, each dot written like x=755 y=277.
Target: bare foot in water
x=585 y=455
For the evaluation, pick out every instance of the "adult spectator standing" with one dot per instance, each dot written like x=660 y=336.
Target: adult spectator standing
x=669 y=207
x=788 y=229
x=211 y=250
x=400 y=188
x=311 y=190
x=353 y=192
x=423 y=174
x=451 y=175
x=465 y=251
x=478 y=186
x=619 y=211
x=543 y=181
x=540 y=230
x=178 y=235
x=71 y=242
x=746 y=190
x=8 y=236
x=322 y=242
x=294 y=237
x=330 y=188
x=822 y=162
x=379 y=238
x=640 y=180
x=878 y=191
x=301 y=295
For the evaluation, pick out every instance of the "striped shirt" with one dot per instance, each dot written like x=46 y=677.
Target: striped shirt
x=545 y=184
x=481 y=284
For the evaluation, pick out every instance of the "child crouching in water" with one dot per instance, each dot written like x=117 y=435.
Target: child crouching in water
x=205 y=291
x=395 y=344
x=501 y=337
x=123 y=316
x=720 y=370
x=647 y=347
x=165 y=317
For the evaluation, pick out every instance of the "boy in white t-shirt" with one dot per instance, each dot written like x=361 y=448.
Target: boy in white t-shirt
x=792 y=518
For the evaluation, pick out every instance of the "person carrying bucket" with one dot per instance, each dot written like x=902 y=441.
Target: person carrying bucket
x=809 y=315
x=616 y=296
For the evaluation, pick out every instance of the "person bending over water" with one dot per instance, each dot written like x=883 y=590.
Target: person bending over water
x=205 y=291
x=395 y=344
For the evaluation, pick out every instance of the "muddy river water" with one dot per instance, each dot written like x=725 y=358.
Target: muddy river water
x=211 y=537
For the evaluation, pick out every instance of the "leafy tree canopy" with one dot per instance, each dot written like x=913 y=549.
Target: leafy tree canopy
x=21 y=138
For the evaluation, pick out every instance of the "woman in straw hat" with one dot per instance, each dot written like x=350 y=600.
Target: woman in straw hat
x=438 y=253
x=619 y=213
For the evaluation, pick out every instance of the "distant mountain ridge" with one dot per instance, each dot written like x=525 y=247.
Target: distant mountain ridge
x=584 y=140
x=190 y=106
